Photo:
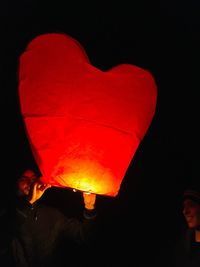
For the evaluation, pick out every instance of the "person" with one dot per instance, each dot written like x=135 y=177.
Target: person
x=187 y=249
x=35 y=234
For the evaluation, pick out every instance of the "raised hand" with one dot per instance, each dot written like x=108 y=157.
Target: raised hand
x=89 y=200
x=37 y=191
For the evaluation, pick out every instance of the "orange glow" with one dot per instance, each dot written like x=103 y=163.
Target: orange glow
x=84 y=125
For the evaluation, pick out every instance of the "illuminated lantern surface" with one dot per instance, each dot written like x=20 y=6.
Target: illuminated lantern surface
x=83 y=124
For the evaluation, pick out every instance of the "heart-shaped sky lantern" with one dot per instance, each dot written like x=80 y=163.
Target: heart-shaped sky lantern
x=83 y=124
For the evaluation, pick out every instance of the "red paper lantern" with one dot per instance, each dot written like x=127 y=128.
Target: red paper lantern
x=84 y=125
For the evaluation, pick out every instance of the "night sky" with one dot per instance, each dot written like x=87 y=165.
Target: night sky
x=161 y=36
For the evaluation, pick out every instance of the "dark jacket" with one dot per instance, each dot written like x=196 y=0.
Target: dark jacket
x=38 y=235
x=187 y=251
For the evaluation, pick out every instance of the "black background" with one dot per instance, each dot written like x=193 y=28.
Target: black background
x=162 y=36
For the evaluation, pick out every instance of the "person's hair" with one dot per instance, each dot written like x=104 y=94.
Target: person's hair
x=192 y=193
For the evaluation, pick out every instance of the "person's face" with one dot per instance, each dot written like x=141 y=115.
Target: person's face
x=25 y=182
x=191 y=212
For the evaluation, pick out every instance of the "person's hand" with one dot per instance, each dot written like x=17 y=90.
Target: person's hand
x=89 y=200
x=37 y=191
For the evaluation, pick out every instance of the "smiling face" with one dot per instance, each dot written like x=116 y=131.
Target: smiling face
x=25 y=182
x=191 y=212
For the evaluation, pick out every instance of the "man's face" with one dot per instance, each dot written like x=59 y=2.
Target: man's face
x=25 y=182
x=191 y=212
